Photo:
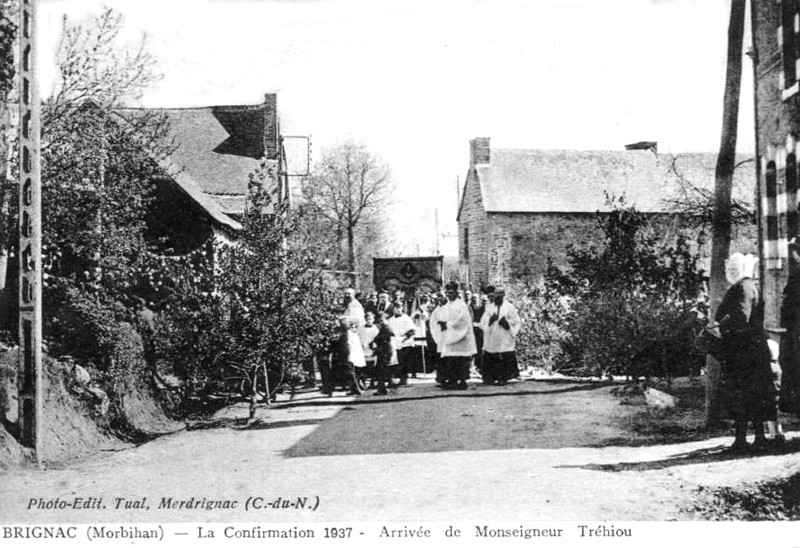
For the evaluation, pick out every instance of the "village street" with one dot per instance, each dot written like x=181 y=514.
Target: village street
x=524 y=452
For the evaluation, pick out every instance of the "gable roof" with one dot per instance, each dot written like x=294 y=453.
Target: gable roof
x=217 y=147
x=574 y=181
x=187 y=184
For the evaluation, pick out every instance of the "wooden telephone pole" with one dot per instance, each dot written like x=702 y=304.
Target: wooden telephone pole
x=30 y=237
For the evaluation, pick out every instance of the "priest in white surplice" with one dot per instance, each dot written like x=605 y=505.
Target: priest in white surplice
x=457 y=338
x=500 y=323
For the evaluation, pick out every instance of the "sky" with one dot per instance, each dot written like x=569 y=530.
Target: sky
x=415 y=80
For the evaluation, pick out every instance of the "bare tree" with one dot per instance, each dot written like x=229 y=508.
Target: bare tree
x=94 y=65
x=696 y=203
x=348 y=189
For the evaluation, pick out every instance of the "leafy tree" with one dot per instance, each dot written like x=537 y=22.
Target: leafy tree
x=253 y=319
x=96 y=184
x=8 y=32
x=8 y=35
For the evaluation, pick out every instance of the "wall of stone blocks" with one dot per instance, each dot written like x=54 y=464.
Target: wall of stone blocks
x=535 y=237
x=473 y=218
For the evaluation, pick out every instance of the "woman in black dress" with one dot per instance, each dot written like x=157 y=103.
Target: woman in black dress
x=790 y=341
x=746 y=368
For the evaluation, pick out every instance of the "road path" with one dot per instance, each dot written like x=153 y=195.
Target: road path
x=271 y=458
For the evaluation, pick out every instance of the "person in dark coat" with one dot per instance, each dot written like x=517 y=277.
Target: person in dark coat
x=790 y=341
x=383 y=347
x=346 y=357
x=371 y=304
x=384 y=305
x=746 y=368
x=323 y=359
x=477 y=306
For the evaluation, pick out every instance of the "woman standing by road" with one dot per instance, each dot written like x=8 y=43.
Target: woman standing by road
x=746 y=367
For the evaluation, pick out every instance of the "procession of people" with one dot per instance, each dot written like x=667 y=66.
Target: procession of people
x=380 y=343
x=382 y=339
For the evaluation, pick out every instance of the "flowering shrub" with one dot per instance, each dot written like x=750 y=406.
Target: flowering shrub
x=543 y=313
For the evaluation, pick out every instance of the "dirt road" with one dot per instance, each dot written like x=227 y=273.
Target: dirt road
x=526 y=451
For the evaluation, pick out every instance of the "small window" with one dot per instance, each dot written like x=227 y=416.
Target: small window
x=791 y=196
x=771 y=242
x=465 y=254
x=790 y=45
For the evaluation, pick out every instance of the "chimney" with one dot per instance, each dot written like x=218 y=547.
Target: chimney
x=479 y=151
x=643 y=145
x=271 y=129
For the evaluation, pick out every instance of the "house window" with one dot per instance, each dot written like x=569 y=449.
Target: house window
x=789 y=42
x=791 y=196
x=771 y=241
x=465 y=253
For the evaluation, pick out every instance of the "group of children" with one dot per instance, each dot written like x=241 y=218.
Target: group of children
x=361 y=356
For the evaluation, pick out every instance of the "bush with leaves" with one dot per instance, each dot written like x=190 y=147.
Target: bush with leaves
x=96 y=195
x=543 y=312
x=636 y=302
x=255 y=313
x=97 y=188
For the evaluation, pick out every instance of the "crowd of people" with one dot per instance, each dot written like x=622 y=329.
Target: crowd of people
x=380 y=340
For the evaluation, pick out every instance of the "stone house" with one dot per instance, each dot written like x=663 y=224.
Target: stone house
x=520 y=207
x=776 y=56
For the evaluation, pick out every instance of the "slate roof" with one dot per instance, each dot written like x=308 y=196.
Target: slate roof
x=562 y=181
x=217 y=147
x=189 y=186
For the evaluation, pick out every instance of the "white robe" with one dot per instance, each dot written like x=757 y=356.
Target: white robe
x=496 y=338
x=459 y=338
x=367 y=336
x=401 y=325
x=420 y=332
x=355 y=312
x=356 y=352
x=436 y=331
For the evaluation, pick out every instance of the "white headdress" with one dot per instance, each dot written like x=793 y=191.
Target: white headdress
x=736 y=268
x=750 y=262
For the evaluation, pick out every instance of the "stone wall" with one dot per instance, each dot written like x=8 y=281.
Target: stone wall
x=472 y=231
x=777 y=123
x=535 y=237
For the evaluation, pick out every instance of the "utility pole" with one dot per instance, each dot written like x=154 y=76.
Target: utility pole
x=30 y=237
x=436 y=220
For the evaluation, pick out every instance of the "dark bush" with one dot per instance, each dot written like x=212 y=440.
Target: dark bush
x=634 y=300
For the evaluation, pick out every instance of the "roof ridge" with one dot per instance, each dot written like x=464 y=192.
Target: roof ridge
x=611 y=151
x=540 y=180
x=199 y=108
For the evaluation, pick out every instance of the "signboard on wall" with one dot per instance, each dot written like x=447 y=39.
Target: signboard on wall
x=463 y=274
x=499 y=256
